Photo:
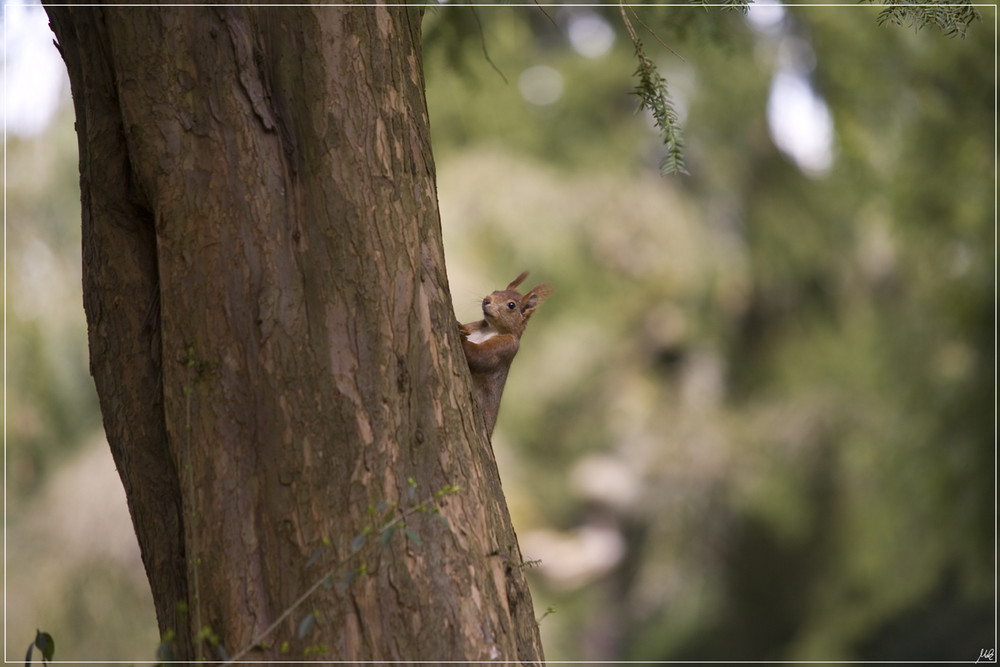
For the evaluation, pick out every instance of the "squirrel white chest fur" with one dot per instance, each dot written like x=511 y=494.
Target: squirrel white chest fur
x=481 y=335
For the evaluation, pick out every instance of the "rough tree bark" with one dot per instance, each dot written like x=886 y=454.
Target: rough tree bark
x=272 y=335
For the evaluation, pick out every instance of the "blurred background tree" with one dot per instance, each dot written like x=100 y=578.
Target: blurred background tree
x=757 y=418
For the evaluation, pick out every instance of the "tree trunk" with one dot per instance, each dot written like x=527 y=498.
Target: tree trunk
x=273 y=341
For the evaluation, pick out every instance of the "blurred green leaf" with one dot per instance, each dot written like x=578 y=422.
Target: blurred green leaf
x=306 y=625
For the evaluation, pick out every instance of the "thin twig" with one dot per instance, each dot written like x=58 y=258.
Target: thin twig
x=542 y=9
x=260 y=636
x=655 y=36
x=628 y=24
x=271 y=628
x=482 y=40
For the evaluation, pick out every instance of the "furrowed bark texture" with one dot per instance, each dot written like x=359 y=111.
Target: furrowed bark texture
x=272 y=336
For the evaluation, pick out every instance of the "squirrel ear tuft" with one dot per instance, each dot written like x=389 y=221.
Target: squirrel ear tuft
x=531 y=300
x=517 y=281
x=541 y=291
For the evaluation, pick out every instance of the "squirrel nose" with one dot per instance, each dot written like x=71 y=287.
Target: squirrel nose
x=486 y=301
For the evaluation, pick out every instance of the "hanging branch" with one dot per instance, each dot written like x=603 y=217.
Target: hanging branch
x=741 y=6
x=653 y=95
x=486 y=54
x=952 y=18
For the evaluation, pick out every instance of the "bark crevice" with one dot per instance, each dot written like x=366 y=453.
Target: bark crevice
x=271 y=330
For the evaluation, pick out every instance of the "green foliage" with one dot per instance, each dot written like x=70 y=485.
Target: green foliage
x=551 y=609
x=316 y=650
x=793 y=373
x=472 y=102
x=788 y=374
x=307 y=624
x=52 y=406
x=453 y=32
x=166 y=650
x=653 y=97
x=952 y=18
x=209 y=636
x=742 y=6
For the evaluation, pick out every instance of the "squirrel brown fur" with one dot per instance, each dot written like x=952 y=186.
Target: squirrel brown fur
x=491 y=343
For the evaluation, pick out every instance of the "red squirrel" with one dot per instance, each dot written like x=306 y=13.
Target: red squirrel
x=491 y=343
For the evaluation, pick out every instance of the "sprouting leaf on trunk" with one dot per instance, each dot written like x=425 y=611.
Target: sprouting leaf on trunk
x=346 y=581
x=221 y=652
x=314 y=557
x=387 y=533
x=306 y=625
x=358 y=541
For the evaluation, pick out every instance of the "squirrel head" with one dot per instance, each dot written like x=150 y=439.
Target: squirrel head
x=508 y=310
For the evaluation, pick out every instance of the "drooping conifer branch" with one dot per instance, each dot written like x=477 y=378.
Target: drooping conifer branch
x=654 y=96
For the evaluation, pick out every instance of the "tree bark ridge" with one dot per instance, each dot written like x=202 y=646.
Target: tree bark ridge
x=263 y=178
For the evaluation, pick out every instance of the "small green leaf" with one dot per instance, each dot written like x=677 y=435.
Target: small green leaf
x=45 y=644
x=551 y=610
x=387 y=534
x=306 y=625
x=413 y=536
x=328 y=582
x=443 y=520
x=346 y=581
x=358 y=542
x=315 y=556
x=220 y=651
x=164 y=652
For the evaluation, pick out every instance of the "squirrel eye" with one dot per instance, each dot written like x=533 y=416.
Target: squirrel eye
x=511 y=305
